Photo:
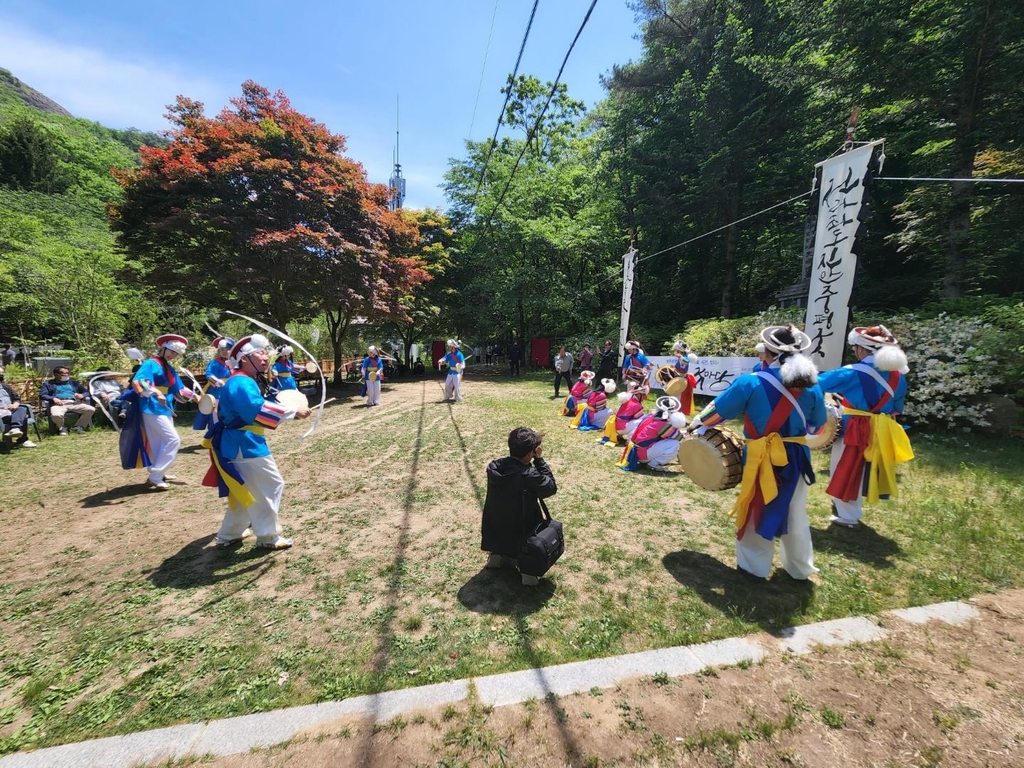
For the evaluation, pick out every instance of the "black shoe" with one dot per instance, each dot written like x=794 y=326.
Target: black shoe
x=748 y=575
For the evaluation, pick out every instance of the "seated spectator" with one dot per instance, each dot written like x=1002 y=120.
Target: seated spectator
x=418 y=368
x=109 y=390
x=515 y=485
x=13 y=415
x=62 y=395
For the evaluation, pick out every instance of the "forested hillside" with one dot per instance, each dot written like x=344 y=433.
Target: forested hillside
x=725 y=113
x=58 y=266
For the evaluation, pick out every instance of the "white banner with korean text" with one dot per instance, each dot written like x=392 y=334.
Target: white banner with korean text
x=828 y=299
x=628 y=267
x=713 y=374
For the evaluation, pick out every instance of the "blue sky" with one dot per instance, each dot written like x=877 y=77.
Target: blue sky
x=343 y=63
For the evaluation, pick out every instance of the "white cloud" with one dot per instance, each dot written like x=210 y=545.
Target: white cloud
x=93 y=84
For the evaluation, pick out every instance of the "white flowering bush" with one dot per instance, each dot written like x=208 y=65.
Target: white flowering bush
x=955 y=362
x=952 y=368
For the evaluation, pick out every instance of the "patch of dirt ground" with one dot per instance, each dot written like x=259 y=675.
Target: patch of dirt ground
x=932 y=695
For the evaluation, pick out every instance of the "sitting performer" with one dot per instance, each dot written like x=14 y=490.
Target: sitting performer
x=595 y=413
x=153 y=441
x=284 y=369
x=628 y=415
x=456 y=362
x=373 y=375
x=635 y=364
x=682 y=366
x=764 y=358
x=779 y=404
x=241 y=465
x=655 y=439
x=577 y=393
x=217 y=372
x=864 y=459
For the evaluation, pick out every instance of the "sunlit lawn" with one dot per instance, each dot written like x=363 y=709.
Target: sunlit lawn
x=119 y=615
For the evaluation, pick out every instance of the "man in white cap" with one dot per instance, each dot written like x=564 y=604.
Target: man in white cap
x=779 y=404
x=456 y=362
x=684 y=358
x=158 y=385
x=655 y=439
x=284 y=369
x=241 y=464
x=595 y=412
x=217 y=372
x=373 y=375
x=864 y=459
x=636 y=365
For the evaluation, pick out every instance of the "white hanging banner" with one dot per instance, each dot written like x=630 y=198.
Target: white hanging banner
x=713 y=374
x=828 y=297
x=628 y=266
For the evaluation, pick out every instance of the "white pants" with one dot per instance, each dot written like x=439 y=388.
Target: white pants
x=265 y=483
x=796 y=553
x=453 y=387
x=373 y=391
x=163 y=442
x=662 y=452
x=849 y=512
x=600 y=418
x=630 y=426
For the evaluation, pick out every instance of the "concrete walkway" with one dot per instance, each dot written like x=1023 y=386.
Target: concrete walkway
x=239 y=735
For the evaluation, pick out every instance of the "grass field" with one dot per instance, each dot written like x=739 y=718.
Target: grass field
x=119 y=613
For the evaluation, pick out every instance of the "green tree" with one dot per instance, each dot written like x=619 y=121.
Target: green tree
x=30 y=158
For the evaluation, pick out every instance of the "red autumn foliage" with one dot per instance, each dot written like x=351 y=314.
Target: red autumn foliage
x=259 y=206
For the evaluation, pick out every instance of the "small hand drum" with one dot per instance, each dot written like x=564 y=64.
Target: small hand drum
x=372 y=374
x=293 y=399
x=310 y=367
x=822 y=439
x=714 y=460
x=207 y=404
x=670 y=379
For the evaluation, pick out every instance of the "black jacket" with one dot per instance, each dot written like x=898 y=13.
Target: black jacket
x=608 y=362
x=512 y=508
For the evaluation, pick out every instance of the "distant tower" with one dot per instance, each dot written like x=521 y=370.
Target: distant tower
x=396 y=182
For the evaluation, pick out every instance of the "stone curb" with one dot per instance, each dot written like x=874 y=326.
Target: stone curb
x=237 y=735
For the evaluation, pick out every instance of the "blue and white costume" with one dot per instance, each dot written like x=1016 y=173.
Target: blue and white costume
x=373 y=375
x=283 y=370
x=455 y=361
x=778 y=405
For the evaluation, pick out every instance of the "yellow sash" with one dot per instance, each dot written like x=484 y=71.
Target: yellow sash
x=763 y=455
x=282 y=375
x=238 y=494
x=889 y=446
x=580 y=409
x=609 y=430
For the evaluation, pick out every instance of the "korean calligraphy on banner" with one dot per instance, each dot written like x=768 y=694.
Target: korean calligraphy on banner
x=713 y=374
x=828 y=298
x=628 y=266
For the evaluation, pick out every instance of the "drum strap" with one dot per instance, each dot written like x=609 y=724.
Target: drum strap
x=764 y=376
x=885 y=385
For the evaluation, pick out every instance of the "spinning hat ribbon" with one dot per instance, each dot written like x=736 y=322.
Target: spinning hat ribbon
x=310 y=357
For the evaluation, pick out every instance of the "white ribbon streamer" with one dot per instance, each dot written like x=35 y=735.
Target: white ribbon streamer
x=293 y=342
x=99 y=400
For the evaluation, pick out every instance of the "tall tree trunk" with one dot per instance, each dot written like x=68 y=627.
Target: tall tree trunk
x=729 y=262
x=337 y=326
x=964 y=151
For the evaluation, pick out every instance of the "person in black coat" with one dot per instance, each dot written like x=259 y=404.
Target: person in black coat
x=608 y=362
x=515 y=485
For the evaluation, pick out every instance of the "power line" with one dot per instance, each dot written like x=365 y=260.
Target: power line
x=483 y=69
x=508 y=96
x=927 y=178
x=712 y=232
x=536 y=125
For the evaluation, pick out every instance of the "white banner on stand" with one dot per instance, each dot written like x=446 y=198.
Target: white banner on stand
x=713 y=374
x=628 y=266
x=828 y=298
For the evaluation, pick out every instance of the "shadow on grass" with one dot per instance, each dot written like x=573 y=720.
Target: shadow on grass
x=115 y=495
x=199 y=565
x=470 y=473
x=864 y=544
x=500 y=590
x=773 y=605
